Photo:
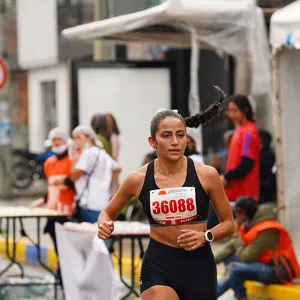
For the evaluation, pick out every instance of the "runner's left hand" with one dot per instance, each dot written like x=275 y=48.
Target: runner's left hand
x=191 y=239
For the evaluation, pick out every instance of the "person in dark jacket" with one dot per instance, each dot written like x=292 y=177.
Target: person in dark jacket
x=267 y=174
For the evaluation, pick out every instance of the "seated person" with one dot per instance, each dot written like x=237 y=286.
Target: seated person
x=262 y=250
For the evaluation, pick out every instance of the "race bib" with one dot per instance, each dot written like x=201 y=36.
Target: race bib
x=174 y=206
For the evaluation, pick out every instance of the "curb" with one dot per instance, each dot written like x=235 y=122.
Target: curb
x=27 y=253
x=272 y=292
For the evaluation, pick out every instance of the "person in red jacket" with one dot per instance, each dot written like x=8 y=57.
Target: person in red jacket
x=241 y=177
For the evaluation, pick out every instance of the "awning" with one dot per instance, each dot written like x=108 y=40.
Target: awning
x=236 y=27
x=225 y=25
x=285 y=27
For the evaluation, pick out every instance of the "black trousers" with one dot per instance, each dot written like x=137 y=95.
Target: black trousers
x=50 y=228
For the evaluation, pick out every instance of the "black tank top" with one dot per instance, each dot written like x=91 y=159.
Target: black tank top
x=179 y=205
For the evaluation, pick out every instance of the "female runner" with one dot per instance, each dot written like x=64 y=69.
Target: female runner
x=175 y=193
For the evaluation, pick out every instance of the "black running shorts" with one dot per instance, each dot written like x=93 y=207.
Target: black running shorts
x=192 y=274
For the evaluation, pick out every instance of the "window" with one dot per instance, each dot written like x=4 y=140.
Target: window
x=74 y=12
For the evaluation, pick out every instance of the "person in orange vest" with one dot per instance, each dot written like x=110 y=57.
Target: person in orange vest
x=262 y=250
x=61 y=190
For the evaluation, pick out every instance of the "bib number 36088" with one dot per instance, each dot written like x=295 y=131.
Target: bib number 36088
x=173 y=206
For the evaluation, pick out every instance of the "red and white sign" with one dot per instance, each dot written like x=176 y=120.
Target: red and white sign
x=3 y=74
x=173 y=206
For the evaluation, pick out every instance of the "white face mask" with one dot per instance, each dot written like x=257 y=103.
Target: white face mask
x=60 y=149
x=86 y=146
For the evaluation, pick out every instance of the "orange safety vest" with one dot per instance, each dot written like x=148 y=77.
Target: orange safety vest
x=285 y=249
x=60 y=197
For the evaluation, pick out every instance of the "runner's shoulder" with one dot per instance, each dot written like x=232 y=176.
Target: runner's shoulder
x=136 y=178
x=205 y=171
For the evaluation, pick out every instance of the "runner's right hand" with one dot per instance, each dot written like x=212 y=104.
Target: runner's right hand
x=105 y=229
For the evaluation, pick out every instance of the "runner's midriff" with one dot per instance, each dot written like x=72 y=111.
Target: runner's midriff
x=168 y=235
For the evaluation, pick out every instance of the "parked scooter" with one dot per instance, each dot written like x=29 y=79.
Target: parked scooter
x=29 y=168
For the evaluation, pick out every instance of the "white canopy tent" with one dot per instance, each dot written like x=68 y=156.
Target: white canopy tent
x=232 y=26
x=285 y=41
x=285 y=27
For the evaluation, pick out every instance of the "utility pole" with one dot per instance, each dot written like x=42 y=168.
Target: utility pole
x=5 y=112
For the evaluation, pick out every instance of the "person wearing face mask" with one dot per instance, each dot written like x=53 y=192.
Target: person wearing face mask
x=61 y=190
x=262 y=250
x=57 y=169
x=92 y=173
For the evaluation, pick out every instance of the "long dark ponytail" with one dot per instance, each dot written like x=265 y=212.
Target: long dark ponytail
x=212 y=111
x=193 y=121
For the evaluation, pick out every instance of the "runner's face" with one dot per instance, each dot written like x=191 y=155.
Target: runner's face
x=171 y=138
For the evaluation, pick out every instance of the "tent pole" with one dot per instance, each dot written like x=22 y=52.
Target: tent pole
x=194 y=100
x=278 y=140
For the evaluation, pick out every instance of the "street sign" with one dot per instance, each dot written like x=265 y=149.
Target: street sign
x=3 y=74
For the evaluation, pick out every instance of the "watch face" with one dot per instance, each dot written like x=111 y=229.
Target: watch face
x=209 y=235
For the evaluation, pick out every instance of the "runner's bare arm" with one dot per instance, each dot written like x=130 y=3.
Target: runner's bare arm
x=129 y=188
x=212 y=184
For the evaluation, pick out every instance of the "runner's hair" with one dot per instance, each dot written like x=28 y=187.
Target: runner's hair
x=194 y=121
